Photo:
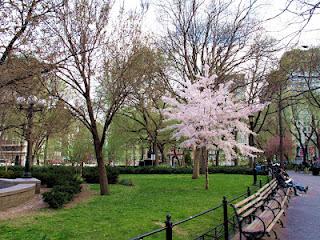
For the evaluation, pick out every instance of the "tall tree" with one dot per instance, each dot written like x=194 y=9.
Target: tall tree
x=217 y=33
x=103 y=55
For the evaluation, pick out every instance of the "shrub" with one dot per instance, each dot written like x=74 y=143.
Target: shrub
x=91 y=174
x=54 y=175
x=15 y=172
x=71 y=189
x=126 y=182
x=56 y=199
x=185 y=170
x=8 y=174
x=61 y=194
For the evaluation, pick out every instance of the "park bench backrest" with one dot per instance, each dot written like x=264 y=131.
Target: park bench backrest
x=248 y=205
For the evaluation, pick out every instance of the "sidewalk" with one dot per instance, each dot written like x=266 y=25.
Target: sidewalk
x=302 y=220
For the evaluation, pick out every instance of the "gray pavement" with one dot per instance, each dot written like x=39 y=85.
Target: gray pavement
x=302 y=220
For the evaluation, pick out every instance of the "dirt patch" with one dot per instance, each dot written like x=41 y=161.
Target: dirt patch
x=36 y=203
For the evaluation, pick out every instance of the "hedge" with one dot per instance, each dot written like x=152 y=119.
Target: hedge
x=57 y=175
x=185 y=170
x=13 y=172
x=91 y=174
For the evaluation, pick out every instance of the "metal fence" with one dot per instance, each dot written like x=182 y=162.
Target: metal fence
x=224 y=230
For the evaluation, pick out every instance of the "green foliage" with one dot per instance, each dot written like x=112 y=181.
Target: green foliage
x=63 y=193
x=54 y=175
x=184 y=170
x=13 y=172
x=71 y=188
x=120 y=140
x=91 y=174
x=56 y=199
x=8 y=174
x=79 y=147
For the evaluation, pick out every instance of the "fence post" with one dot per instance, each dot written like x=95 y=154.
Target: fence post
x=248 y=191
x=254 y=176
x=168 y=228
x=260 y=183
x=225 y=218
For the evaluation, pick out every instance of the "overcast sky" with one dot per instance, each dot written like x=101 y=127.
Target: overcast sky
x=278 y=27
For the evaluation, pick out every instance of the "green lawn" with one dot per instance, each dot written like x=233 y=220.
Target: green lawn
x=129 y=211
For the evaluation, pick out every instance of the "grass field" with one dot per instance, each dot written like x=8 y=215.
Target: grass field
x=130 y=211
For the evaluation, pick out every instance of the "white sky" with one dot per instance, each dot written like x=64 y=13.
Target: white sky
x=277 y=28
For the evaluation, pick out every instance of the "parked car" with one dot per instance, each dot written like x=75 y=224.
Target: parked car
x=261 y=168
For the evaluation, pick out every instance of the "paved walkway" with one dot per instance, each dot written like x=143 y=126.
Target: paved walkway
x=302 y=221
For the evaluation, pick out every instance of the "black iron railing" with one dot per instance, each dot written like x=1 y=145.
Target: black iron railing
x=224 y=230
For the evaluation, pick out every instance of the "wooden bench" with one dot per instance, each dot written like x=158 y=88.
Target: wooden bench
x=257 y=214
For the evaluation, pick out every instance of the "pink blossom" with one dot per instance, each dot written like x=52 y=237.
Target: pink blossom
x=209 y=115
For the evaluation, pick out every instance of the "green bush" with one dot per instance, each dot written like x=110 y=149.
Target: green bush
x=56 y=199
x=8 y=174
x=61 y=194
x=54 y=175
x=91 y=174
x=184 y=170
x=71 y=189
x=126 y=182
x=15 y=172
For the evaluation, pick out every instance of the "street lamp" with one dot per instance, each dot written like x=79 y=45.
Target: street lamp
x=251 y=143
x=30 y=104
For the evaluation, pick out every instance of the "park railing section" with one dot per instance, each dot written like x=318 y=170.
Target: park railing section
x=226 y=227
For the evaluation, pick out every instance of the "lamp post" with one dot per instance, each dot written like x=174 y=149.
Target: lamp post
x=30 y=104
x=251 y=143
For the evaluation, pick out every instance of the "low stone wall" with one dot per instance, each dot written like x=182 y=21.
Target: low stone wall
x=16 y=181
x=16 y=195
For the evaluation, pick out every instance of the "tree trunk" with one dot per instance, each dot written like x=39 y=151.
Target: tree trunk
x=196 y=163
x=280 y=122
x=204 y=160
x=305 y=154
x=134 y=154
x=236 y=159
x=204 y=156
x=45 y=154
x=217 y=157
x=38 y=159
x=142 y=152
x=163 y=157
x=103 y=180
x=318 y=147
x=126 y=154
x=155 y=152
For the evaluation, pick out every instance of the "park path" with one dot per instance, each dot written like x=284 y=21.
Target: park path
x=302 y=220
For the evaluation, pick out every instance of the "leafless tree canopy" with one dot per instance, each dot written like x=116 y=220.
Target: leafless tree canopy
x=217 y=33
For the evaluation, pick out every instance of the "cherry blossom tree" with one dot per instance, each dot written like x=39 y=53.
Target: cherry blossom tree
x=209 y=115
x=273 y=146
